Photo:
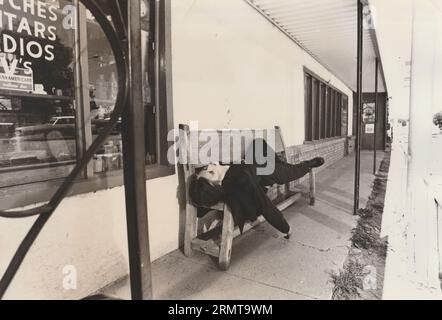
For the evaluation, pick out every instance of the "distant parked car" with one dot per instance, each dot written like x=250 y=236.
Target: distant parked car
x=64 y=127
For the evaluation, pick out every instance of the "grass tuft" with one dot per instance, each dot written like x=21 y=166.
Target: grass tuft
x=348 y=281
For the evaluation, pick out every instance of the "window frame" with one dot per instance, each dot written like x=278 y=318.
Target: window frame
x=328 y=100
x=331 y=121
x=308 y=81
x=316 y=135
x=323 y=108
x=345 y=105
x=38 y=192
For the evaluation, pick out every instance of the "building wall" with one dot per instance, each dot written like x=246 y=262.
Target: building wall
x=231 y=69
x=411 y=217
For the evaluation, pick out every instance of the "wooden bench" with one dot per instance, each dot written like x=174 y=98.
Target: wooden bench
x=217 y=242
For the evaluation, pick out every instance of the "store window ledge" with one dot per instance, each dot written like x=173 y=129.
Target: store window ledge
x=34 y=193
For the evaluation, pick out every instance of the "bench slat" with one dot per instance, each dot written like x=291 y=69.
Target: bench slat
x=207 y=247
x=216 y=232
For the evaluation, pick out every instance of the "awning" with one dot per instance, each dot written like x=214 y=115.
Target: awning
x=327 y=30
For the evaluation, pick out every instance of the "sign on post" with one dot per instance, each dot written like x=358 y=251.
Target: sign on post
x=369 y=128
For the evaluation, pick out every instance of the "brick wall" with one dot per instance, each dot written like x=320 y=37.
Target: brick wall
x=331 y=150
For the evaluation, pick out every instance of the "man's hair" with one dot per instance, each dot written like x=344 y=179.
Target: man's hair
x=204 y=194
x=200 y=169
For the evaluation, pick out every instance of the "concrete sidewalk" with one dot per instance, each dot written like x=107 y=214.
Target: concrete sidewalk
x=264 y=264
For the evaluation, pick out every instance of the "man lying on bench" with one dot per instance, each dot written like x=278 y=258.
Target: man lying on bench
x=244 y=191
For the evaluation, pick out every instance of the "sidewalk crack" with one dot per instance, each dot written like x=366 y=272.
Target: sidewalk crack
x=323 y=250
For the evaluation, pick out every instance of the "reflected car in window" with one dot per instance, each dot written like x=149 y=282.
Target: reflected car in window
x=55 y=128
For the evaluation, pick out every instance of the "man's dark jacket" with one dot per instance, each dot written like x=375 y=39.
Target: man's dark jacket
x=246 y=195
x=245 y=192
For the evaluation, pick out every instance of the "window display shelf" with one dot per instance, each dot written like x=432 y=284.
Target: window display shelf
x=14 y=93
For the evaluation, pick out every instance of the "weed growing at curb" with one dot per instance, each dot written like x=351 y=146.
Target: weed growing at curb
x=368 y=249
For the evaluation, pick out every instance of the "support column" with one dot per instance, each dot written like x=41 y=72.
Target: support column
x=82 y=101
x=376 y=113
x=134 y=164
x=359 y=108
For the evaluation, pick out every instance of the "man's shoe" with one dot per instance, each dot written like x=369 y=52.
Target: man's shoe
x=316 y=162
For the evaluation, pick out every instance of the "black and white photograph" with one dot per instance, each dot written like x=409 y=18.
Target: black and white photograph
x=243 y=152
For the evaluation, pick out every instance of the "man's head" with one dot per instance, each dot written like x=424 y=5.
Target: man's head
x=203 y=192
x=213 y=173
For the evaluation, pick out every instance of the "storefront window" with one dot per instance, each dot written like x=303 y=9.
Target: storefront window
x=326 y=110
x=103 y=88
x=52 y=54
x=37 y=105
x=150 y=74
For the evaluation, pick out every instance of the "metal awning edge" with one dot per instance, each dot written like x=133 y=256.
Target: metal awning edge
x=372 y=33
x=286 y=33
